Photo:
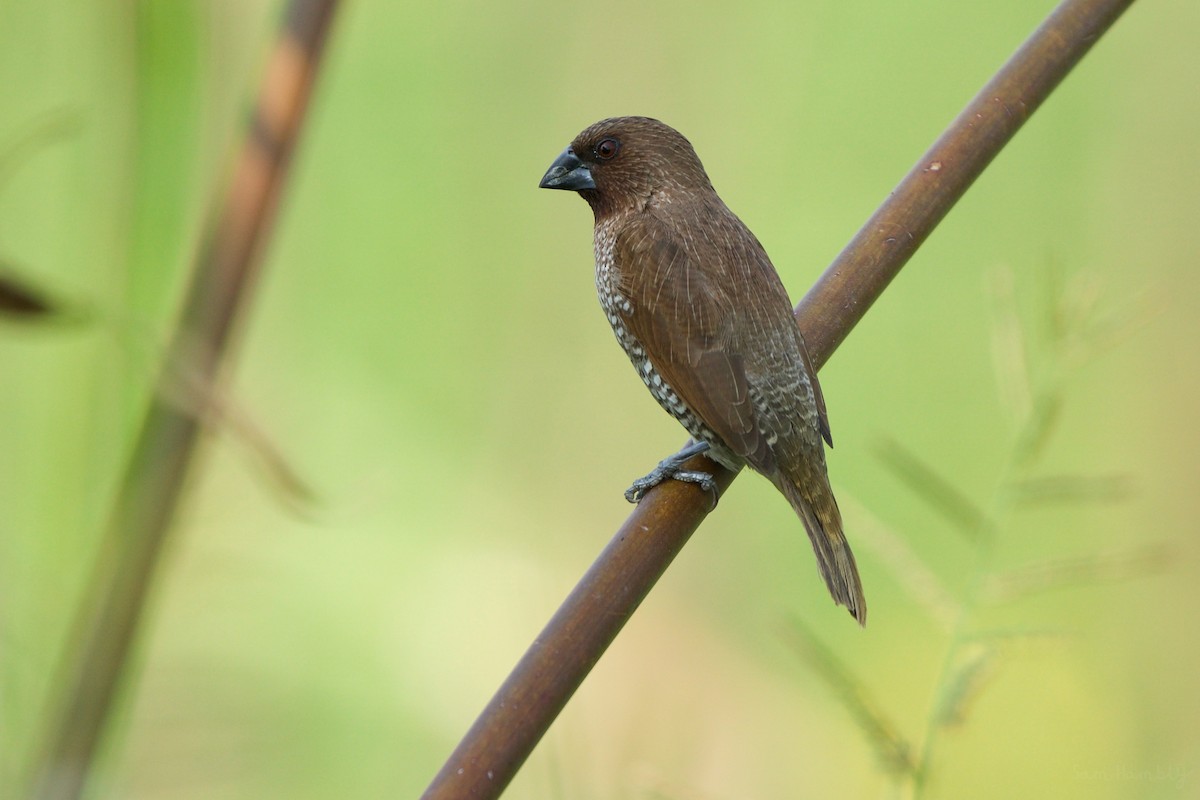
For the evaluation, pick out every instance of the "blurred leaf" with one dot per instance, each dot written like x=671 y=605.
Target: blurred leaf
x=1071 y=489
x=1055 y=318
x=911 y=573
x=1137 y=562
x=1119 y=326
x=892 y=750
x=185 y=388
x=966 y=517
x=282 y=478
x=19 y=300
x=1041 y=425
x=1079 y=330
x=978 y=662
x=168 y=199
x=23 y=301
x=42 y=132
x=960 y=691
x=1008 y=638
x=1009 y=346
x=1074 y=305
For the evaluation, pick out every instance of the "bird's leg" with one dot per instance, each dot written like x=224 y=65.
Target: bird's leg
x=670 y=468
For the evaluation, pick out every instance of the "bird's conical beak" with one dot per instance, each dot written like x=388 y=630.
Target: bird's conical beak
x=567 y=172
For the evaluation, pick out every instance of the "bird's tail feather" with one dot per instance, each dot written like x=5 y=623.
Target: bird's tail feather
x=819 y=512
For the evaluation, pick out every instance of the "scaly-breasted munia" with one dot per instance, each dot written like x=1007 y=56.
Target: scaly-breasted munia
x=699 y=309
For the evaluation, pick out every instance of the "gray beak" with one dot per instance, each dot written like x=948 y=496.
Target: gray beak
x=567 y=172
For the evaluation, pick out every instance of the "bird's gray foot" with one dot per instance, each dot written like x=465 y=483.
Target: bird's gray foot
x=669 y=468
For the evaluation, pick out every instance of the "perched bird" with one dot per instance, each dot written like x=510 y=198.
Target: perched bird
x=701 y=313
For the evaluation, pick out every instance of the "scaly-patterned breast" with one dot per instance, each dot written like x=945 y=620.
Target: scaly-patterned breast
x=617 y=307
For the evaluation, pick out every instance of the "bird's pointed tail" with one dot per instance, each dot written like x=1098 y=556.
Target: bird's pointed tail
x=813 y=500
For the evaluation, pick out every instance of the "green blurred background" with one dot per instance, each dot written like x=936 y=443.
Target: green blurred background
x=427 y=352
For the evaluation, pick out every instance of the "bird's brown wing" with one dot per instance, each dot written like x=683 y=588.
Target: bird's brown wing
x=708 y=309
x=696 y=314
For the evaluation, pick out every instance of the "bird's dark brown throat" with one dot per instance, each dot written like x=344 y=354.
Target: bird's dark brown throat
x=700 y=311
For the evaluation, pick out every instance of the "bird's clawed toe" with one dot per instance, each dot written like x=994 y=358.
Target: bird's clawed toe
x=671 y=468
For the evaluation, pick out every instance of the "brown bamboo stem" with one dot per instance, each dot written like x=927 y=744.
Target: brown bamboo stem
x=223 y=277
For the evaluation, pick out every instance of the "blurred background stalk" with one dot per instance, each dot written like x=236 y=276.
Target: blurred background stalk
x=98 y=658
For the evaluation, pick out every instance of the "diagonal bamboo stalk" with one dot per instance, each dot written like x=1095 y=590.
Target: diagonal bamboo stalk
x=538 y=688
x=222 y=280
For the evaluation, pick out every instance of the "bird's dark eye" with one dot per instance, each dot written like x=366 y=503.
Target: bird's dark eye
x=607 y=149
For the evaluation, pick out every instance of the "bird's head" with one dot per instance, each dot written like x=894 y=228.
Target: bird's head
x=623 y=162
